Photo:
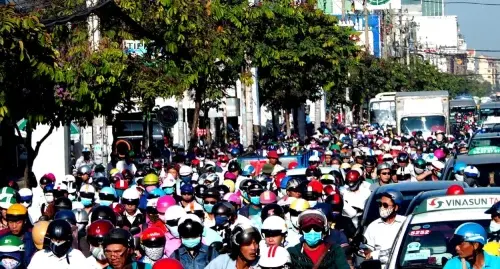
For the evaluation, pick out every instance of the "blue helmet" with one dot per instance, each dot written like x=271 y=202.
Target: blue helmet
x=187 y=188
x=235 y=151
x=470 y=232
x=108 y=191
x=459 y=166
x=494 y=209
x=156 y=193
x=395 y=196
x=248 y=170
x=284 y=182
x=48 y=188
x=66 y=215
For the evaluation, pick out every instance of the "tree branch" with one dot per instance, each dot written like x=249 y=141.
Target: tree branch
x=39 y=143
x=17 y=130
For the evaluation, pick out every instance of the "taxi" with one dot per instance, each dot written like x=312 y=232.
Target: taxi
x=424 y=236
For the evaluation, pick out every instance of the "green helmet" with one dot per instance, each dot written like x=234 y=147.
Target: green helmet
x=11 y=243
x=420 y=163
x=7 y=197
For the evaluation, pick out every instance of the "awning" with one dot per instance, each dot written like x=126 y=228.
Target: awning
x=74 y=130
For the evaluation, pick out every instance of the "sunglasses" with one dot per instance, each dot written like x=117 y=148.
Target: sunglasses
x=172 y=222
x=88 y=195
x=385 y=173
x=384 y=205
x=186 y=193
x=315 y=228
x=211 y=202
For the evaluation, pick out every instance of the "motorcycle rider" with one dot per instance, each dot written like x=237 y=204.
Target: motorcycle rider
x=384 y=176
x=355 y=195
x=274 y=231
x=296 y=207
x=96 y=233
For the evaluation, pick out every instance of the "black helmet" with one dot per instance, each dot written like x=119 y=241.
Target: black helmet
x=103 y=212
x=60 y=230
x=403 y=157
x=200 y=190
x=396 y=142
x=99 y=168
x=224 y=209
x=313 y=172
x=212 y=193
x=272 y=210
x=223 y=189
x=190 y=229
x=233 y=167
x=45 y=181
x=244 y=234
x=100 y=182
x=370 y=161
x=293 y=184
x=119 y=236
x=140 y=173
x=66 y=215
x=63 y=203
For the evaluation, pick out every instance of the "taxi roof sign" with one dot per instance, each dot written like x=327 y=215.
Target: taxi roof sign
x=451 y=202
x=485 y=150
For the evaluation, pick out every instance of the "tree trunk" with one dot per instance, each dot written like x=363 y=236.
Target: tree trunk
x=317 y=115
x=196 y=118
x=249 y=111
x=287 y=122
x=180 y=122
x=31 y=154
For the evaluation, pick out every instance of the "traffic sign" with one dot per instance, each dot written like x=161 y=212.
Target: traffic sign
x=458 y=202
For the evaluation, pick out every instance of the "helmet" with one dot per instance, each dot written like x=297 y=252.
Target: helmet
x=494 y=209
x=7 y=197
x=156 y=193
x=185 y=170
x=284 y=182
x=470 y=232
x=168 y=181
x=172 y=216
x=383 y=166
x=244 y=234
x=108 y=194
x=169 y=263
x=224 y=209
x=313 y=213
x=353 y=179
x=212 y=180
x=17 y=212
x=113 y=171
x=100 y=182
x=459 y=167
x=164 y=203
x=38 y=233
x=274 y=257
x=326 y=208
x=25 y=196
x=195 y=209
x=268 y=197
x=97 y=230
x=63 y=203
x=293 y=165
x=313 y=172
x=293 y=184
x=131 y=196
x=190 y=226
x=337 y=202
x=471 y=172
x=420 y=165
x=66 y=215
x=233 y=167
x=274 y=223
x=299 y=205
x=327 y=179
x=153 y=237
x=211 y=192
x=103 y=212
x=272 y=210
x=119 y=236
x=12 y=246
x=81 y=215
x=60 y=230
x=84 y=170
x=150 y=179
x=235 y=152
x=403 y=157
x=439 y=153
x=248 y=170
x=394 y=195
x=187 y=189
x=455 y=190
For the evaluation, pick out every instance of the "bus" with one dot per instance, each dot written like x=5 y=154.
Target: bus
x=382 y=109
x=463 y=106
x=489 y=109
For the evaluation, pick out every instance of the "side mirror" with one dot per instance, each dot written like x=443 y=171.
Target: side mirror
x=371 y=264
x=135 y=230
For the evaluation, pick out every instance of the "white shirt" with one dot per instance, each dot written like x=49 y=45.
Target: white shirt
x=47 y=259
x=122 y=165
x=380 y=235
x=354 y=201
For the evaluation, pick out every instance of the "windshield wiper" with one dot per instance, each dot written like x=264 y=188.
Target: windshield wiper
x=422 y=265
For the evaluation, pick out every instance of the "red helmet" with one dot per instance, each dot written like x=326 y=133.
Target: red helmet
x=353 y=179
x=97 y=230
x=224 y=159
x=455 y=190
x=168 y=263
x=195 y=162
x=293 y=165
x=329 y=190
x=153 y=237
x=157 y=165
x=119 y=209
x=315 y=186
x=279 y=177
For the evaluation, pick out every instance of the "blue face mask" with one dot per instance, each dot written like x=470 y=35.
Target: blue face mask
x=119 y=193
x=105 y=203
x=312 y=238
x=244 y=194
x=191 y=242
x=255 y=200
x=186 y=179
x=221 y=220
x=168 y=190
x=208 y=208
x=86 y=202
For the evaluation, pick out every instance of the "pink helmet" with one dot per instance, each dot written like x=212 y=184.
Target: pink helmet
x=268 y=197
x=439 y=153
x=232 y=198
x=164 y=203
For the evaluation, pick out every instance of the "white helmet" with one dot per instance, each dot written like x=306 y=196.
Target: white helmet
x=273 y=257
x=70 y=181
x=87 y=188
x=168 y=181
x=314 y=158
x=172 y=216
x=185 y=170
x=131 y=194
x=274 y=223
x=192 y=217
x=25 y=197
x=471 y=172
x=25 y=192
x=211 y=181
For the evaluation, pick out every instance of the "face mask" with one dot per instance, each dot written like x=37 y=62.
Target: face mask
x=168 y=190
x=86 y=202
x=208 y=208
x=459 y=177
x=245 y=195
x=119 y=193
x=154 y=253
x=60 y=249
x=295 y=221
x=255 y=200
x=191 y=242
x=49 y=197
x=199 y=200
x=26 y=204
x=221 y=220
x=9 y=263
x=173 y=231
x=312 y=203
x=105 y=203
x=438 y=174
x=312 y=238
x=385 y=212
x=186 y=179
x=150 y=188
x=72 y=197
x=283 y=192
x=223 y=164
x=98 y=253
x=494 y=227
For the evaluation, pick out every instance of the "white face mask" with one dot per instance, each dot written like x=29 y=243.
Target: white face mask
x=98 y=253
x=49 y=197
x=385 y=212
x=494 y=227
x=459 y=177
x=173 y=231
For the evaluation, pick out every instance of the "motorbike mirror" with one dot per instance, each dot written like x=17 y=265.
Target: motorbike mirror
x=135 y=230
x=371 y=264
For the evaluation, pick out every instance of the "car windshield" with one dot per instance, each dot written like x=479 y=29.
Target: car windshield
x=424 y=124
x=383 y=112
x=484 y=142
x=428 y=243
x=486 y=112
x=373 y=212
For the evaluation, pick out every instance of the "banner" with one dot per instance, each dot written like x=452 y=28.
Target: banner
x=358 y=23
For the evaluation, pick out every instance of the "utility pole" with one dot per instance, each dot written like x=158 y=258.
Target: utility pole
x=407 y=43
x=367 y=36
x=343 y=10
x=400 y=49
x=180 y=122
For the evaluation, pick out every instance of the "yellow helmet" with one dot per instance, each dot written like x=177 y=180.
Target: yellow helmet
x=230 y=184
x=300 y=205
x=492 y=248
x=38 y=233
x=150 y=179
x=113 y=171
x=345 y=166
x=17 y=212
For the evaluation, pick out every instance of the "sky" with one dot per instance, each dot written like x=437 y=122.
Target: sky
x=478 y=24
